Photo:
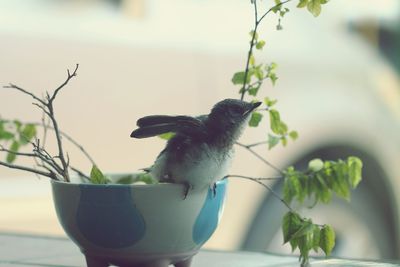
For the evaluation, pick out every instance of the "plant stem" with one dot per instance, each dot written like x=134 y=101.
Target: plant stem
x=260 y=157
x=257 y=22
x=23 y=168
x=258 y=181
x=46 y=105
x=252 y=43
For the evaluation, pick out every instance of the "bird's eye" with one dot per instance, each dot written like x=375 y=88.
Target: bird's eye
x=237 y=110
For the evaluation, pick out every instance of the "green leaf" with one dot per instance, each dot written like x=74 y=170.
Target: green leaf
x=97 y=177
x=11 y=156
x=273 y=78
x=323 y=193
x=302 y=3
x=315 y=165
x=340 y=182
x=290 y=225
x=273 y=141
x=355 y=170
x=147 y=178
x=127 y=179
x=252 y=60
x=304 y=244
x=275 y=120
x=316 y=238
x=291 y=187
x=294 y=243
x=27 y=133
x=293 y=135
x=284 y=141
x=255 y=119
x=277 y=126
x=17 y=124
x=306 y=228
x=251 y=33
x=272 y=66
x=238 y=78
x=254 y=90
x=258 y=72
x=5 y=135
x=166 y=136
x=327 y=239
x=277 y=6
x=260 y=44
x=270 y=102
x=314 y=6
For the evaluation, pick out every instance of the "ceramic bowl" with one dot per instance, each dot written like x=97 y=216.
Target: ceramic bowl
x=137 y=225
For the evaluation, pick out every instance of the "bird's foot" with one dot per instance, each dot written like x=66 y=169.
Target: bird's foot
x=213 y=187
x=187 y=188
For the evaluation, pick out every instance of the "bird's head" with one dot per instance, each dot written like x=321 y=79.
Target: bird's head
x=230 y=115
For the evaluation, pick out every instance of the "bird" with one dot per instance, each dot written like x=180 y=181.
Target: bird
x=201 y=150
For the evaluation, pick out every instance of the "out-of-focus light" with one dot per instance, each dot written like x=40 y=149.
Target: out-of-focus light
x=378 y=9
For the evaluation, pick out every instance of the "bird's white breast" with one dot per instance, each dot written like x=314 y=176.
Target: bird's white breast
x=200 y=167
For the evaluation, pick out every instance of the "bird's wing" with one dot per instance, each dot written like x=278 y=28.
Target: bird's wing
x=158 y=124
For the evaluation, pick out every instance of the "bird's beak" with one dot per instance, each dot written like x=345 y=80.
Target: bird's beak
x=252 y=107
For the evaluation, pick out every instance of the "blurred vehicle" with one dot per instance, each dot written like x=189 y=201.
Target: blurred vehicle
x=151 y=57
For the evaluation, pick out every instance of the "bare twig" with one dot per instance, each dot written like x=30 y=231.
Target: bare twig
x=260 y=157
x=2 y=149
x=46 y=105
x=257 y=144
x=67 y=136
x=80 y=173
x=23 y=168
x=45 y=125
x=258 y=181
x=13 y=86
x=255 y=178
x=69 y=77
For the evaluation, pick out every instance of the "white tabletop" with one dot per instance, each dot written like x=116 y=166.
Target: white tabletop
x=27 y=250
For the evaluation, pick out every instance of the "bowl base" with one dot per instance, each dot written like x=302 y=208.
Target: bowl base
x=157 y=261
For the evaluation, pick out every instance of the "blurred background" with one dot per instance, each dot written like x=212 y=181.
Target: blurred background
x=338 y=86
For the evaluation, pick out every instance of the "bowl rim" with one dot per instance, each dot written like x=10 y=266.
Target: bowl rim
x=114 y=185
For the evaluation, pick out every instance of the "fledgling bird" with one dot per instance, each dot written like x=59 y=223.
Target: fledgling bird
x=200 y=152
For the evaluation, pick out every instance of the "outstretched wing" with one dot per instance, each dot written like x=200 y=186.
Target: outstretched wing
x=158 y=124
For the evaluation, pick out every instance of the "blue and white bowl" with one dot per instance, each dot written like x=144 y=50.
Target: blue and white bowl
x=143 y=225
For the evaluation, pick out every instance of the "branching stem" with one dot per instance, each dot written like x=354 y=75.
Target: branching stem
x=257 y=22
x=248 y=148
x=259 y=181
x=46 y=105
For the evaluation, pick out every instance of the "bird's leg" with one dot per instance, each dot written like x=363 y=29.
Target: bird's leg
x=214 y=189
x=187 y=188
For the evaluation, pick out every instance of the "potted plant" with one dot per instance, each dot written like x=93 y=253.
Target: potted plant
x=135 y=220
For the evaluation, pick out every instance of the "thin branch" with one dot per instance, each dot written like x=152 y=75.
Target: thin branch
x=69 y=138
x=69 y=77
x=256 y=180
x=2 y=149
x=13 y=86
x=257 y=22
x=23 y=168
x=252 y=43
x=80 y=173
x=44 y=125
x=46 y=157
x=42 y=108
x=257 y=144
x=271 y=9
x=260 y=157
